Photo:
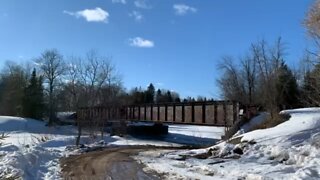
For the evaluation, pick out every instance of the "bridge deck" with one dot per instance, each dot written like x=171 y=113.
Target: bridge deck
x=214 y=113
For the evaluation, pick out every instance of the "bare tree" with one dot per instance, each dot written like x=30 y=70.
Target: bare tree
x=310 y=63
x=255 y=78
x=96 y=80
x=53 y=67
x=249 y=71
x=312 y=24
x=13 y=80
x=239 y=80
x=231 y=82
x=72 y=82
x=310 y=72
x=269 y=61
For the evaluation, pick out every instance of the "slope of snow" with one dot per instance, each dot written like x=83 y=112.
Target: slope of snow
x=31 y=150
x=24 y=151
x=290 y=150
x=183 y=134
x=259 y=119
x=194 y=135
x=301 y=126
x=197 y=131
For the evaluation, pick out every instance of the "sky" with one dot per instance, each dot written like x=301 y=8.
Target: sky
x=174 y=44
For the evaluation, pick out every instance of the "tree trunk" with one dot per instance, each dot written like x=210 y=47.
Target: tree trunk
x=79 y=134
x=51 y=114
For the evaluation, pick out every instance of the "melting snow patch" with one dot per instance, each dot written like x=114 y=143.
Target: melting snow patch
x=290 y=150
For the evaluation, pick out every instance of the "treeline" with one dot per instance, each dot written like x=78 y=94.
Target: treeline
x=151 y=95
x=262 y=77
x=21 y=92
x=54 y=83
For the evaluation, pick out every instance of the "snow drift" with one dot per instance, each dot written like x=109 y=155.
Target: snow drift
x=290 y=150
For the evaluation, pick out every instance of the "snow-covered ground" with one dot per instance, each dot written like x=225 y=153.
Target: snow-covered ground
x=31 y=150
x=290 y=150
x=194 y=135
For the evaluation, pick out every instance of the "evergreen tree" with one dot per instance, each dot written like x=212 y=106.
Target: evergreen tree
x=311 y=87
x=12 y=82
x=177 y=99
x=33 y=105
x=159 y=96
x=169 y=97
x=287 y=88
x=149 y=94
x=137 y=95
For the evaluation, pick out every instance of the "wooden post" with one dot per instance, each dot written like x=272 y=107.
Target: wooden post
x=225 y=114
x=158 y=112
x=151 y=111
x=215 y=114
x=203 y=113
x=174 y=113
x=192 y=113
x=126 y=111
x=145 y=112
x=139 y=113
x=182 y=112
x=166 y=112
x=235 y=112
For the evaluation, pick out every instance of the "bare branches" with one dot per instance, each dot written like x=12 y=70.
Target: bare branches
x=312 y=24
x=230 y=83
x=53 y=67
x=92 y=81
x=254 y=80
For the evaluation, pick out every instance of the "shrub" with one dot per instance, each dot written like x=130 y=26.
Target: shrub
x=273 y=121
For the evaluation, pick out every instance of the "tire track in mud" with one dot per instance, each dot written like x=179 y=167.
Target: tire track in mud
x=110 y=163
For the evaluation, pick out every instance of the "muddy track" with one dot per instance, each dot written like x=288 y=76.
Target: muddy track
x=110 y=163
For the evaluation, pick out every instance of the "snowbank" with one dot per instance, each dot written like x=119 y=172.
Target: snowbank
x=300 y=127
x=255 y=121
x=31 y=150
x=290 y=150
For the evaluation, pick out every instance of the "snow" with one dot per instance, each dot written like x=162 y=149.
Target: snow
x=194 y=135
x=182 y=134
x=197 y=131
x=259 y=119
x=302 y=124
x=290 y=150
x=31 y=150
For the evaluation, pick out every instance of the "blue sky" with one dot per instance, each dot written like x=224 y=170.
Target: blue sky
x=176 y=44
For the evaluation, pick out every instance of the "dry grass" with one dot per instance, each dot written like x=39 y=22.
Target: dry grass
x=3 y=136
x=39 y=139
x=272 y=121
x=6 y=176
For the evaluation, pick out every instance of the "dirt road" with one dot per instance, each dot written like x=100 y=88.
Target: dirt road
x=112 y=163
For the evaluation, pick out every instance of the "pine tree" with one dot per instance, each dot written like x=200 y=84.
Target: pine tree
x=177 y=99
x=169 y=97
x=311 y=87
x=33 y=105
x=149 y=94
x=287 y=88
x=159 y=96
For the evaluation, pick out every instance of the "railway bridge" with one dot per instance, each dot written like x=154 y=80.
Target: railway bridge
x=211 y=113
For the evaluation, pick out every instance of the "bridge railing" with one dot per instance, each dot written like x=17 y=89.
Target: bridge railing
x=216 y=113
